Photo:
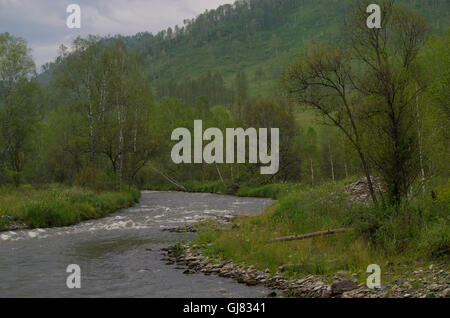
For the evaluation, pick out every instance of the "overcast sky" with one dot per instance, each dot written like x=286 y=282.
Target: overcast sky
x=42 y=23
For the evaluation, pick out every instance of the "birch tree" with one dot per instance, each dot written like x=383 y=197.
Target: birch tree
x=18 y=106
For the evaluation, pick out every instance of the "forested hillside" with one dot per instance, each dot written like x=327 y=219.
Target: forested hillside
x=255 y=36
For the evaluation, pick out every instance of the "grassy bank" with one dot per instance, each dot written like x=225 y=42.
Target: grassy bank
x=273 y=191
x=375 y=238
x=57 y=205
x=191 y=186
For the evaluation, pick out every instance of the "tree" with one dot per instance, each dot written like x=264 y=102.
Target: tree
x=18 y=104
x=434 y=106
x=109 y=99
x=320 y=78
x=310 y=148
x=366 y=91
x=389 y=88
x=78 y=75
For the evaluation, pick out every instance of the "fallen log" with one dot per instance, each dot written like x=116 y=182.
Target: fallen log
x=308 y=235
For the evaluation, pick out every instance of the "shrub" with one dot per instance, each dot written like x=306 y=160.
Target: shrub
x=95 y=179
x=435 y=239
x=50 y=214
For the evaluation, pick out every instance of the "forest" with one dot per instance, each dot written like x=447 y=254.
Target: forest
x=350 y=103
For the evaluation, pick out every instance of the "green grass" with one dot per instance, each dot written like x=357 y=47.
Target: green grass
x=265 y=191
x=191 y=186
x=273 y=191
x=302 y=210
x=56 y=205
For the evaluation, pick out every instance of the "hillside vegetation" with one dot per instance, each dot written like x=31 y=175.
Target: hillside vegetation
x=255 y=36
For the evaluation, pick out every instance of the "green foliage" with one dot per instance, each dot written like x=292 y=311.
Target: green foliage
x=443 y=195
x=178 y=249
x=95 y=124
x=19 y=108
x=263 y=34
x=300 y=210
x=423 y=237
x=96 y=179
x=208 y=187
x=56 y=205
x=434 y=241
x=273 y=191
x=421 y=228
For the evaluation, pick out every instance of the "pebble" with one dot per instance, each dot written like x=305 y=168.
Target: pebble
x=307 y=287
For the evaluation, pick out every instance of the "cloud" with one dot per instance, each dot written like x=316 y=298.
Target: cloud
x=43 y=22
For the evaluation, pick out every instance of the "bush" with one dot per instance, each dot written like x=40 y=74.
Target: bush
x=50 y=214
x=434 y=241
x=421 y=229
x=96 y=179
x=443 y=195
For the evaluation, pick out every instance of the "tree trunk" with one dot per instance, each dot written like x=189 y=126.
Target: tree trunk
x=331 y=161
x=369 y=179
x=419 y=133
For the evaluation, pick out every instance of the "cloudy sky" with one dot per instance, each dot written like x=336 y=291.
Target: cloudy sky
x=42 y=23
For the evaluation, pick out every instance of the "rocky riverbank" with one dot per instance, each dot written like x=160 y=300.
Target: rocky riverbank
x=7 y=223
x=432 y=282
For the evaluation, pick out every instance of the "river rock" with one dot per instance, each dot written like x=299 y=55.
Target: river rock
x=250 y=282
x=446 y=293
x=341 y=286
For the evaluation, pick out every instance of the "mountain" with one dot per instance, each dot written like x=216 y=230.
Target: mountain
x=255 y=36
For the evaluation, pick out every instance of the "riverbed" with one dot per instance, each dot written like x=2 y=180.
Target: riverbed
x=120 y=255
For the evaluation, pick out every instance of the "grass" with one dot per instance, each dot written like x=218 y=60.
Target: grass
x=265 y=191
x=191 y=186
x=274 y=191
x=302 y=210
x=57 y=205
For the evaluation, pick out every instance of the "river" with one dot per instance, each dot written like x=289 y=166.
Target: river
x=120 y=255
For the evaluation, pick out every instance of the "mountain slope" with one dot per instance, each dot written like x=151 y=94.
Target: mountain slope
x=255 y=36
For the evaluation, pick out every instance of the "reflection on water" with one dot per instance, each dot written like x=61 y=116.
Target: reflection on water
x=120 y=255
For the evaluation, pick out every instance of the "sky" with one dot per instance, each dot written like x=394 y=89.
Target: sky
x=42 y=23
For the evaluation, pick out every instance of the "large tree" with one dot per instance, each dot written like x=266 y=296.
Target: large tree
x=18 y=106
x=367 y=88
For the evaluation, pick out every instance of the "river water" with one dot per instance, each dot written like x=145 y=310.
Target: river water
x=120 y=255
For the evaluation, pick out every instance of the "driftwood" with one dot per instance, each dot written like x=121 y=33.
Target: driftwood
x=308 y=235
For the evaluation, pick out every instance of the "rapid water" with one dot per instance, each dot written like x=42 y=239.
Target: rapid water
x=120 y=255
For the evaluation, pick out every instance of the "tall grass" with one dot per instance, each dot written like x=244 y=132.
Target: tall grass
x=191 y=186
x=56 y=205
x=304 y=210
